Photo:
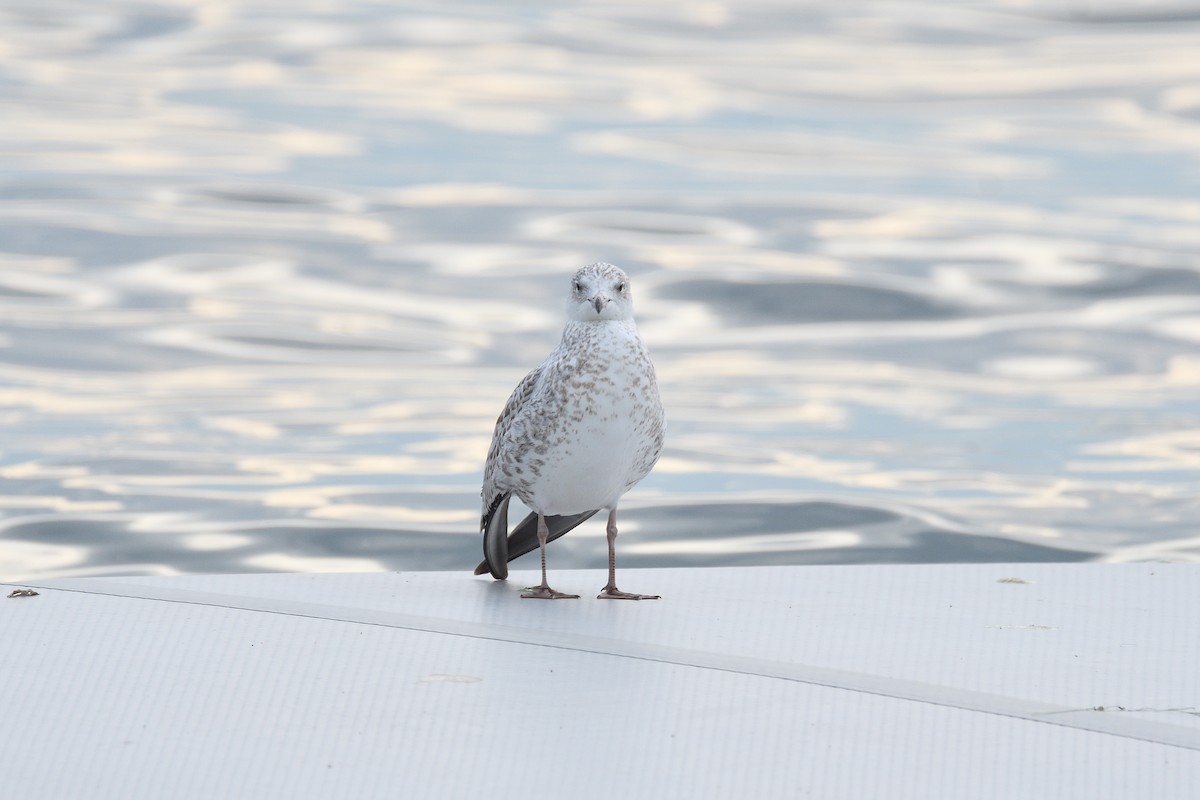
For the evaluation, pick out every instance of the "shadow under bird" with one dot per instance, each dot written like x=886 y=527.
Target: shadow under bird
x=577 y=433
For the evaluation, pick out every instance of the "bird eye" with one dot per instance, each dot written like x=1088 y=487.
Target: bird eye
x=578 y=286
x=620 y=287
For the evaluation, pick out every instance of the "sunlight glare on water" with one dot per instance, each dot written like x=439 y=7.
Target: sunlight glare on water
x=921 y=281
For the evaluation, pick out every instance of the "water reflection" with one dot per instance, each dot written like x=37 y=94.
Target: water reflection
x=922 y=287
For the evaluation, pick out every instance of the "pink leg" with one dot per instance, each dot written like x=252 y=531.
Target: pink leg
x=611 y=592
x=544 y=592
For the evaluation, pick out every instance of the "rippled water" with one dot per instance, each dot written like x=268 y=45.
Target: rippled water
x=922 y=280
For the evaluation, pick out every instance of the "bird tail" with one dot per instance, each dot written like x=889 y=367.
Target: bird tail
x=495 y=539
x=505 y=547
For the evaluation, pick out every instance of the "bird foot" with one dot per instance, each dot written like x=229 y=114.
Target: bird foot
x=613 y=593
x=544 y=592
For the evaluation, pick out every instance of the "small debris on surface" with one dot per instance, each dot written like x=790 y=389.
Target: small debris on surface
x=1013 y=580
x=1182 y=710
x=22 y=593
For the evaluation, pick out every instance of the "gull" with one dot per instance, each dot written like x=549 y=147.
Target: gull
x=577 y=433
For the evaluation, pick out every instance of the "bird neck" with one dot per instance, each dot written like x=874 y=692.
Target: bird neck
x=592 y=327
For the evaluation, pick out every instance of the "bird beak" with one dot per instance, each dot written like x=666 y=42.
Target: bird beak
x=599 y=301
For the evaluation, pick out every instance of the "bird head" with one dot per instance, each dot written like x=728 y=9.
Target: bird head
x=598 y=292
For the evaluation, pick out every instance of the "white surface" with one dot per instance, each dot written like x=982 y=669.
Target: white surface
x=825 y=682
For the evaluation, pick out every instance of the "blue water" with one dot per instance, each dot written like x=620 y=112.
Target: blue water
x=922 y=282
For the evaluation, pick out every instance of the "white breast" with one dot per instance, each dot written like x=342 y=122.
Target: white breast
x=600 y=422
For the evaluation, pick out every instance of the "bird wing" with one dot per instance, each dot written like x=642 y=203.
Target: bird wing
x=494 y=483
x=496 y=490
x=495 y=539
x=522 y=540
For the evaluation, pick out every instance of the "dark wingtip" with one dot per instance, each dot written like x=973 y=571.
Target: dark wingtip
x=499 y=548
x=524 y=536
x=495 y=539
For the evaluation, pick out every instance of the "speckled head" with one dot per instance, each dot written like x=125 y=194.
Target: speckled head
x=599 y=292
